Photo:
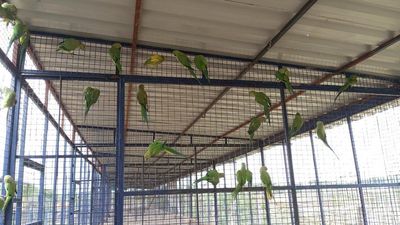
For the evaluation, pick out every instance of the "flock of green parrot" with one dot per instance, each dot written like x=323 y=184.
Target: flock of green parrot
x=11 y=190
x=8 y=12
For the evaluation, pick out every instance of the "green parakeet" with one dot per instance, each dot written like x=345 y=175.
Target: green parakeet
x=154 y=60
x=296 y=125
x=266 y=181
x=283 y=76
x=9 y=98
x=255 y=123
x=8 y=12
x=115 y=54
x=350 y=81
x=212 y=177
x=242 y=177
x=11 y=190
x=322 y=135
x=91 y=97
x=20 y=33
x=142 y=99
x=69 y=45
x=157 y=147
x=201 y=63
x=186 y=62
x=19 y=30
x=262 y=99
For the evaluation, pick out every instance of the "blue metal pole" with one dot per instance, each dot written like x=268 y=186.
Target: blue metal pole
x=289 y=158
x=41 y=216
x=321 y=209
x=71 y=213
x=215 y=202
x=237 y=208
x=55 y=175
x=11 y=146
x=80 y=194
x=120 y=139
x=93 y=196
x=64 y=184
x=20 y=186
x=250 y=202
x=360 y=190
x=225 y=196
x=197 y=194
x=267 y=209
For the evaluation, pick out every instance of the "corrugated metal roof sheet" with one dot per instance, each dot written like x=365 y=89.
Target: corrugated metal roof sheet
x=330 y=34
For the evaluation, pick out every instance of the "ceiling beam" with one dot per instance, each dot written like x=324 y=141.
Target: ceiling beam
x=135 y=35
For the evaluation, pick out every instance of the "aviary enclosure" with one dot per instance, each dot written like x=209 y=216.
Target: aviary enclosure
x=77 y=169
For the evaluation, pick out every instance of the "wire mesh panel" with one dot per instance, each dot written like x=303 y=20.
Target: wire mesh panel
x=69 y=163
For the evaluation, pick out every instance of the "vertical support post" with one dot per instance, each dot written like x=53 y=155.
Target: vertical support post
x=11 y=146
x=20 y=186
x=119 y=175
x=64 y=184
x=287 y=180
x=237 y=208
x=225 y=196
x=71 y=210
x=215 y=202
x=191 y=195
x=360 y=191
x=180 y=197
x=143 y=188
x=197 y=193
x=80 y=194
x=55 y=176
x=267 y=209
x=250 y=202
x=321 y=209
x=290 y=159
x=12 y=136
x=93 y=194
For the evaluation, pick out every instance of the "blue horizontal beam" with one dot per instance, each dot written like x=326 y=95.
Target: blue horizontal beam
x=233 y=58
x=158 y=132
x=178 y=145
x=35 y=74
x=257 y=189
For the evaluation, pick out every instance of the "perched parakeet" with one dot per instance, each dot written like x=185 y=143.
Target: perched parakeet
x=322 y=135
x=296 y=125
x=19 y=31
x=8 y=12
x=115 y=54
x=212 y=177
x=157 y=147
x=255 y=123
x=141 y=97
x=262 y=99
x=283 y=76
x=91 y=97
x=154 y=60
x=69 y=45
x=186 y=62
x=9 y=98
x=11 y=190
x=350 y=81
x=266 y=180
x=242 y=177
x=201 y=63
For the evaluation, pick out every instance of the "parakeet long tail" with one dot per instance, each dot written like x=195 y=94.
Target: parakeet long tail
x=200 y=180
x=6 y=202
x=327 y=145
x=144 y=114
x=236 y=191
x=289 y=87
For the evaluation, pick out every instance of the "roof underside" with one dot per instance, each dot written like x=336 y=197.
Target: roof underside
x=329 y=34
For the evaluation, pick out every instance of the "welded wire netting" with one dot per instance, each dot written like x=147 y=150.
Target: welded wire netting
x=66 y=162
